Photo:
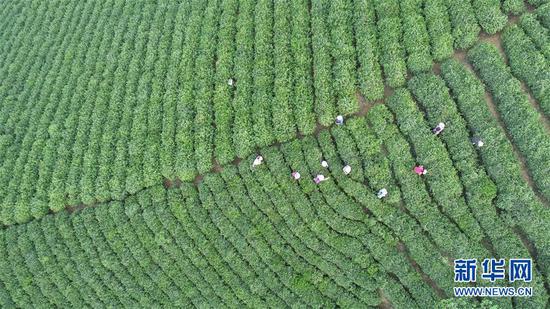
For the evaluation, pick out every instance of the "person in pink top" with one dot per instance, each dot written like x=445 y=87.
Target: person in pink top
x=420 y=170
x=319 y=178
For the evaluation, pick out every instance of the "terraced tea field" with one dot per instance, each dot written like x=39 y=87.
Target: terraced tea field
x=130 y=136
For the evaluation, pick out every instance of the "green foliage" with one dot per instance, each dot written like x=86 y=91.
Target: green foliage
x=520 y=117
x=302 y=62
x=243 y=139
x=172 y=62
x=465 y=28
x=537 y=33
x=253 y=236
x=528 y=64
x=515 y=7
x=479 y=189
x=541 y=3
x=515 y=197
x=439 y=28
x=368 y=54
x=263 y=74
x=489 y=15
x=417 y=201
x=184 y=161
x=543 y=14
x=415 y=36
x=224 y=151
x=284 y=126
x=442 y=178
x=325 y=104
x=204 y=86
x=128 y=129
x=102 y=100
x=463 y=303
x=392 y=54
x=343 y=53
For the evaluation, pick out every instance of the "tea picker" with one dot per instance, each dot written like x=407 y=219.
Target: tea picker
x=420 y=170
x=382 y=193
x=257 y=161
x=477 y=142
x=439 y=128
x=346 y=169
x=320 y=178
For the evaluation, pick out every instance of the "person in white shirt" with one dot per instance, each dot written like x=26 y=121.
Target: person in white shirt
x=439 y=128
x=382 y=193
x=477 y=141
x=259 y=160
x=346 y=169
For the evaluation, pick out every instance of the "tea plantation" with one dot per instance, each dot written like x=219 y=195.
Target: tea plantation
x=185 y=153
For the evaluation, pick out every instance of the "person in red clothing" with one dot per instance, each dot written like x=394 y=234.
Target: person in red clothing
x=420 y=170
